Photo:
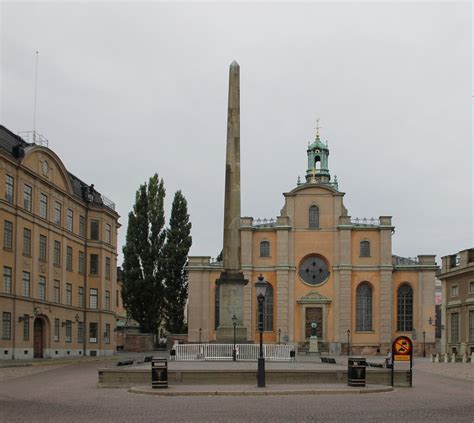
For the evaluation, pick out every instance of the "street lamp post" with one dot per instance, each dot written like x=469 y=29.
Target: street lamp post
x=234 y=351
x=261 y=288
x=424 y=344
x=200 y=333
x=348 y=341
x=279 y=336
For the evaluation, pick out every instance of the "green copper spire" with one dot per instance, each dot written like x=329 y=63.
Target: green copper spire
x=318 y=168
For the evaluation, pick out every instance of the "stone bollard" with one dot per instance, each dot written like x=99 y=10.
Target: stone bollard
x=472 y=357
x=464 y=358
x=453 y=358
x=436 y=358
x=431 y=358
x=446 y=358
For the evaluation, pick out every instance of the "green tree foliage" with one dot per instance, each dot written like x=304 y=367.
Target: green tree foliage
x=143 y=288
x=175 y=253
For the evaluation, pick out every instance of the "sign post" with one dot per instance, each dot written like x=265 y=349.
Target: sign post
x=402 y=350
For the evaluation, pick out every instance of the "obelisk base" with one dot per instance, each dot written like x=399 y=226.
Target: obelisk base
x=231 y=303
x=225 y=334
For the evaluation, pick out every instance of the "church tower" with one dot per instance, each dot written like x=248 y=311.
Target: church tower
x=318 y=167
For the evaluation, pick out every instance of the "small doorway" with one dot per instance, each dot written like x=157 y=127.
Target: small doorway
x=313 y=314
x=38 y=338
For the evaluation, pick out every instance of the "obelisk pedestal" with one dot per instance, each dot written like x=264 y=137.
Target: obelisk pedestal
x=231 y=281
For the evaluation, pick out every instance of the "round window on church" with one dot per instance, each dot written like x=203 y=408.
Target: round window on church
x=314 y=270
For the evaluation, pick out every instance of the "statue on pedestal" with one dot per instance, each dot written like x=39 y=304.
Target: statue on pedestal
x=313 y=340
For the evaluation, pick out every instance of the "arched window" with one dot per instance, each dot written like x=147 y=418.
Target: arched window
x=317 y=163
x=364 y=249
x=216 y=306
x=363 y=307
x=314 y=217
x=267 y=310
x=264 y=249
x=405 y=308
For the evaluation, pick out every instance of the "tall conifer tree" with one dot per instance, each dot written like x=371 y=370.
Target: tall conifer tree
x=178 y=243
x=143 y=288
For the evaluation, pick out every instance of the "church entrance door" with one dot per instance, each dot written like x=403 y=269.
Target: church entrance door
x=38 y=338
x=313 y=314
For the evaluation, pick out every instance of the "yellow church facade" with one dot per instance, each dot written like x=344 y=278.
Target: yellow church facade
x=322 y=266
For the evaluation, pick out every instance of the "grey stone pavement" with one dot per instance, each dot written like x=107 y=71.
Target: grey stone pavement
x=67 y=392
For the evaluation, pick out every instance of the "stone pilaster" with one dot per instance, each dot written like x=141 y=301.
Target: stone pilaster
x=198 y=293
x=344 y=282
x=386 y=287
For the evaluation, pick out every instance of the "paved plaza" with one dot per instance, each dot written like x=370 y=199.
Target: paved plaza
x=67 y=392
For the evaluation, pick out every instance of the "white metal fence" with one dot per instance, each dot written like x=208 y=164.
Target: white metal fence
x=223 y=352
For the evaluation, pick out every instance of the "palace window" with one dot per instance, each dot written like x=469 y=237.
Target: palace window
x=27 y=197
x=57 y=292
x=454 y=328
x=69 y=259
x=82 y=226
x=9 y=188
x=93 y=298
x=42 y=288
x=7 y=280
x=43 y=208
x=80 y=332
x=314 y=217
x=405 y=308
x=364 y=249
x=42 y=248
x=264 y=249
x=108 y=234
x=26 y=242
x=93 y=333
x=6 y=325
x=107 y=268
x=364 y=307
x=57 y=253
x=454 y=291
x=57 y=213
x=471 y=287
x=68 y=294
x=26 y=284
x=94 y=229
x=69 y=220
x=56 y=330
x=94 y=264
x=8 y=235
x=68 y=331
x=471 y=325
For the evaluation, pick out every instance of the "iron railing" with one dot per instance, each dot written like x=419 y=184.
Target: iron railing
x=223 y=352
x=32 y=137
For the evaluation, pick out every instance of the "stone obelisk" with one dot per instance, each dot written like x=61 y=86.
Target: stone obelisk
x=231 y=280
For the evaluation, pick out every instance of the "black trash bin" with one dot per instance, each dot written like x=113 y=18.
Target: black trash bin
x=159 y=373
x=356 y=371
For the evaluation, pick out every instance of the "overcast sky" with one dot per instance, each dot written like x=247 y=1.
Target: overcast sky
x=127 y=89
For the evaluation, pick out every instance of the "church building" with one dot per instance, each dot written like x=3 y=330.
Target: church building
x=321 y=266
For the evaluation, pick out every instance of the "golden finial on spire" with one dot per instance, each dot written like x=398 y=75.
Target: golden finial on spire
x=317 y=128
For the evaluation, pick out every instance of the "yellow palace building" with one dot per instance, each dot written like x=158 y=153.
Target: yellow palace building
x=58 y=290
x=322 y=266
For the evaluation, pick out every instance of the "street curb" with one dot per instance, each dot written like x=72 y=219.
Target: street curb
x=56 y=362
x=341 y=391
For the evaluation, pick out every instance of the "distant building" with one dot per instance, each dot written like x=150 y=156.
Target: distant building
x=58 y=261
x=457 y=277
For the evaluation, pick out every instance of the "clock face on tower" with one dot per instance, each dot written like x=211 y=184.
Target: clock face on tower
x=313 y=270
